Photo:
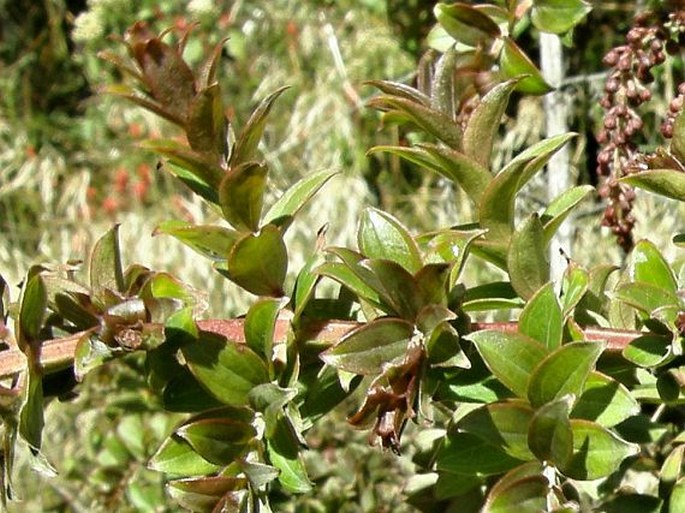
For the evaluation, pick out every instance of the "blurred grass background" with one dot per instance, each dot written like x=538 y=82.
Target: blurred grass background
x=70 y=170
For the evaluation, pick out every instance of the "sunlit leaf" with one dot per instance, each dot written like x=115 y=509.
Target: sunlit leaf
x=218 y=441
x=401 y=90
x=177 y=458
x=297 y=196
x=541 y=318
x=648 y=265
x=382 y=236
x=665 y=182
x=558 y=16
x=510 y=356
x=464 y=453
x=527 y=258
x=483 y=123
x=515 y=63
x=605 y=401
x=206 y=126
x=597 y=452
x=259 y=262
x=203 y=494
x=466 y=24
x=491 y=296
x=574 y=285
x=561 y=207
x=646 y=297
x=241 y=195
x=525 y=495
x=648 y=350
x=563 y=372
x=105 y=268
x=251 y=134
x=366 y=349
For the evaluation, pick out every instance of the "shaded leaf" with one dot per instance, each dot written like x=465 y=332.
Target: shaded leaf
x=510 y=356
x=401 y=90
x=205 y=493
x=241 y=195
x=32 y=310
x=467 y=454
x=527 y=258
x=183 y=393
x=396 y=287
x=382 y=236
x=648 y=350
x=491 y=296
x=260 y=324
x=504 y=424
x=646 y=297
x=550 y=437
x=451 y=246
x=346 y=276
x=227 y=369
x=195 y=165
x=563 y=372
x=367 y=348
x=206 y=126
x=541 y=319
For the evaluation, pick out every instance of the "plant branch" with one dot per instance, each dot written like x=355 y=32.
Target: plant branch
x=59 y=353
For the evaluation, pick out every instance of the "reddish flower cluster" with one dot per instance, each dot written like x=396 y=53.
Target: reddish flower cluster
x=647 y=44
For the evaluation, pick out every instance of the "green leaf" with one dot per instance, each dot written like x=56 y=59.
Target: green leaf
x=646 y=297
x=219 y=441
x=677 y=499
x=550 y=437
x=648 y=350
x=442 y=85
x=597 y=452
x=665 y=182
x=561 y=207
x=198 y=169
x=558 y=16
x=466 y=24
x=297 y=196
x=227 y=369
x=678 y=140
x=461 y=169
x=366 y=349
x=671 y=470
x=574 y=285
x=483 y=124
x=293 y=475
x=33 y=308
x=90 y=353
x=396 y=287
x=515 y=63
x=260 y=324
x=348 y=277
x=468 y=454
x=491 y=296
x=246 y=146
x=563 y=372
x=184 y=394
x=323 y=392
x=259 y=262
x=503 y=424
x=105 y=268
x=206 y=126
x=605 y=401
x=304 y=290
x=510 y=356
x=648 y=265
x=31 y=420
x=241 y=195
x=431 y=121
x=541 y=318
x=528 y=494
x=443 y=348
x=382 y=236
x=176 y=458
x=633 y=503
x=206 y=494
x=401 y=90
x=451 y=246
x=527 y=258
